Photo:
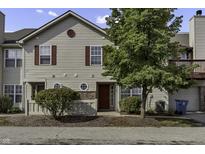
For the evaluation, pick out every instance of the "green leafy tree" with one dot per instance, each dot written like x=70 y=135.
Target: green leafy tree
x=142 y=48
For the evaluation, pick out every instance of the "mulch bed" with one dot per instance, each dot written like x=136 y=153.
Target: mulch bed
x=87 y=121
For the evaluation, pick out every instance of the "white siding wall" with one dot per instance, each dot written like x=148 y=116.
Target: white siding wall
x=191 y=94
x=197 y=29
x=191 y=32
x=156 y=96
x=70 y=55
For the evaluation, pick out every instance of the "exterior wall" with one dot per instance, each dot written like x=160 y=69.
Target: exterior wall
x=197 y=36
x=84 y=95
x=191 y=94
x=156 y=96
x=70 y=69
x=12 y=76
x=2 y=27
x=192 y=33
x=182 y=38
x=1 y=67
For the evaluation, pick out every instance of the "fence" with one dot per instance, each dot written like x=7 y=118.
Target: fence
x=79 y=107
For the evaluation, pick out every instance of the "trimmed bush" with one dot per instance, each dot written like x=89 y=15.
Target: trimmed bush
x=130 y=105
x=15 y=110
x=5 y=104
x=57 y=101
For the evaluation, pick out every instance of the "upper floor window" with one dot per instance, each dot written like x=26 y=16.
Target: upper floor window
x=96 y=55
x=13 y=58
x=45 y=55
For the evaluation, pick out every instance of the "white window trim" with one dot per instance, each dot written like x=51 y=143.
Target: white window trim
x=101 y=55
x=14 y=91
x=15 y=59
x=131 y=92
x=40 y=54
x=86 y=88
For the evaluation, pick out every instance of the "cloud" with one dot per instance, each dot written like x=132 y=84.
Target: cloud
x=101 y=19
x=39 y=11
x=9 y=31
x=51 y=13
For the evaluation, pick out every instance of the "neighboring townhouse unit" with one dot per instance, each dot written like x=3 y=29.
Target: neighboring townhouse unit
x=195 y=43
x=68 y=51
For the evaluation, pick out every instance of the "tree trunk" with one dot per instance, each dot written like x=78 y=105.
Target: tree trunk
x=143 y=104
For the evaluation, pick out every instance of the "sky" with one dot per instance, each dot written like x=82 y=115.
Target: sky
x=17 y=19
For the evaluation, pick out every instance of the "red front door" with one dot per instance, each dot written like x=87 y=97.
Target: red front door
x=103 y=96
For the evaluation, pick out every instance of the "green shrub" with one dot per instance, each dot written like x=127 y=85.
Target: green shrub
x=57 y=101
x=5 y=104
x=15 y=110
x=130 y=105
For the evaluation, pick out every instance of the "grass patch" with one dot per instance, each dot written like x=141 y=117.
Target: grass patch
x=4 y=121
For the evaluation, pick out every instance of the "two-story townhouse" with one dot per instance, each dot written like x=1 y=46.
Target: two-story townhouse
x=68 y=51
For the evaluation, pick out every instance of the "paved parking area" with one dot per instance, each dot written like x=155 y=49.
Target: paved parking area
x=102 y=135
x=197 y=116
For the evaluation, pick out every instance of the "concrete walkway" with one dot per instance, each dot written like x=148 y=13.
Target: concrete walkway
x=101 y=135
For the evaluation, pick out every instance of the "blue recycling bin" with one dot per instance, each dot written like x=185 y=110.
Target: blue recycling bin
x=181 y=106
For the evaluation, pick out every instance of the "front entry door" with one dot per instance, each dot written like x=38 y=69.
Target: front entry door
x=103 y=96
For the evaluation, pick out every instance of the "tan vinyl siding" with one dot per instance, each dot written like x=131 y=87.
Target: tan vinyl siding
x=2 y=25
x=1 y=67
x=182 y=38
x=70 y=55
x=12 y=75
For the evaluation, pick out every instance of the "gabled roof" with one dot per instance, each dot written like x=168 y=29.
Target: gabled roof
x=12 y=37
x=54 y=21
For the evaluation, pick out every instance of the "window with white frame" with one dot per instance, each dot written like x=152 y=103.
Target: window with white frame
x=183 y=56
x=13 y=57
x=126 y=92
x=45 y=55
x=96 y=55
x=83 y=86
x=14 y=92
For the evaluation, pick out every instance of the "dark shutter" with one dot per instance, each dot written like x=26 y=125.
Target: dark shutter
x=54 y=54
x=87 y=56
x=36 y=58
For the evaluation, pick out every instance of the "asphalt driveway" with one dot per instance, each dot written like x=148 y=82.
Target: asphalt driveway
x=197 y=116
x=102 y=135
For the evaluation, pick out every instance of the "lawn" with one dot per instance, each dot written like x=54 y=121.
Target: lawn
x=96 y=121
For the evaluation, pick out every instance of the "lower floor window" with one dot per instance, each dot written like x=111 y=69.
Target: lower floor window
x=14 y=92
x=127 y=92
